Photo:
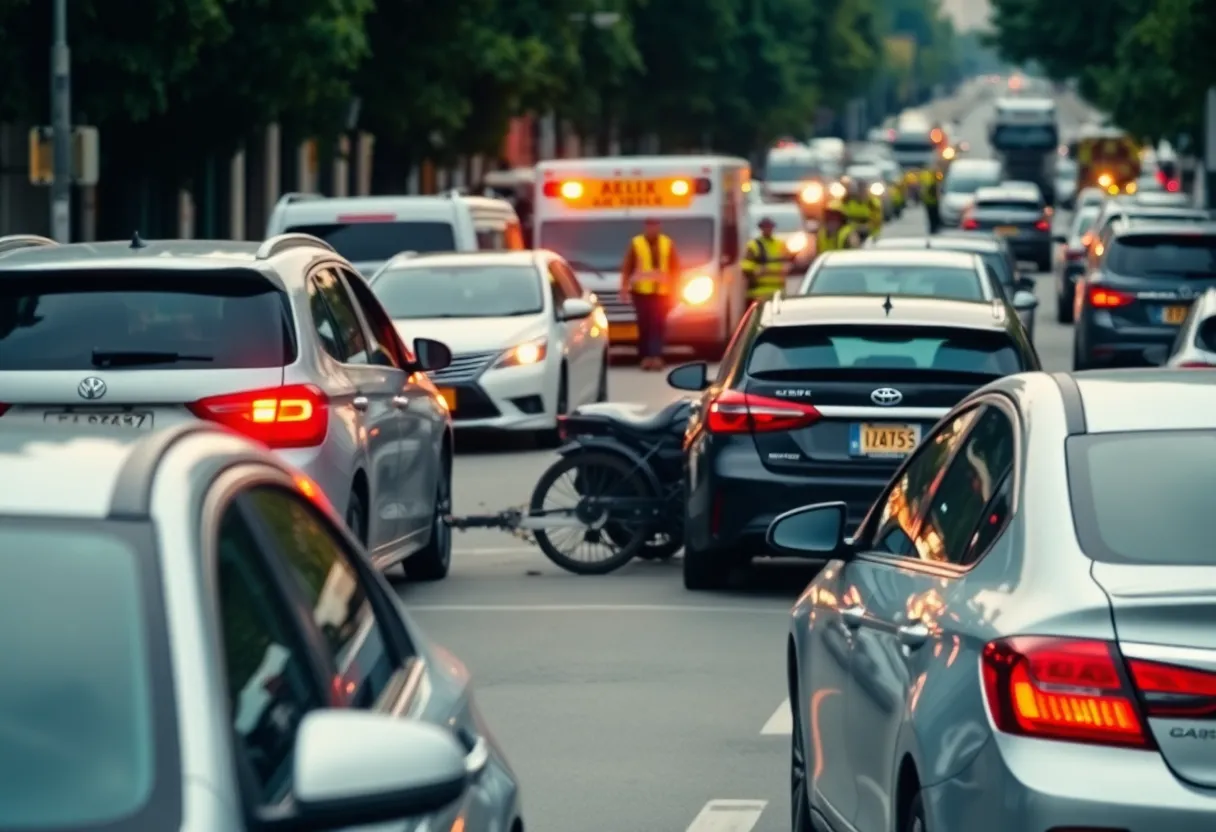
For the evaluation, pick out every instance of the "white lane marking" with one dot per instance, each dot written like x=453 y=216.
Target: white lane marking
x=781 y=723
x=728 y=816
x=591 y=608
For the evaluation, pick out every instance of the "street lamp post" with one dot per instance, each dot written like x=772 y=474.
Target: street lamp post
x=61 y=127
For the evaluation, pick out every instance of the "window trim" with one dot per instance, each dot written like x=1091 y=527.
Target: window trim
x=403 y=358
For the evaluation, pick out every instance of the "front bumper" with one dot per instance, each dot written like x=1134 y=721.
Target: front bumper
x=508 y=398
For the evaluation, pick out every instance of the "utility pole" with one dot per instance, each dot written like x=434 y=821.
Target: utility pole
x=61 y=127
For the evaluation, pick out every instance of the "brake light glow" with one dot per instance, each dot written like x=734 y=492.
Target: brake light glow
x=1170 y=691
x=1043 y=225
x=1102 y=298
x=734 y=412
x=1173 y=186
x=1190 y=365
x=1087 y=239
x=970 y=224
x=293 y=416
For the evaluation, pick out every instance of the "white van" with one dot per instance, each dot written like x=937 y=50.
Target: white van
x=369 y=230
x=588 y=211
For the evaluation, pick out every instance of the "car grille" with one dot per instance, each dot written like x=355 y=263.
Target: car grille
x=617 y=310
x=464 y=368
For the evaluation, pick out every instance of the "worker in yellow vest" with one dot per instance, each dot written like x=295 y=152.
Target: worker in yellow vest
x=930 y=190
x=863 y=210
x=766 y=263
x=648 y=277
x=835 y=234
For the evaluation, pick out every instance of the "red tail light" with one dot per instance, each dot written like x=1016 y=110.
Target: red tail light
x=1170 y=691
x=735 y=412
x=970 y=225
x=294 y=416
x=1043 y=225
x=1173 y=186
x=1062 y=689
x=1193 y=365
x=1101 y=298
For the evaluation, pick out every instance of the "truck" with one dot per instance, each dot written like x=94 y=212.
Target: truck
x=1025 y=136
x=1106 y=158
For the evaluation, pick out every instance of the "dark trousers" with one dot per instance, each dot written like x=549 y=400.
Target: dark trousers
x=651 y=311
x=935 y=217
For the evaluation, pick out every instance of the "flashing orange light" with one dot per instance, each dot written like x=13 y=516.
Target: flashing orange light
x=936 y=135
x=680 y=187
x=572 y=190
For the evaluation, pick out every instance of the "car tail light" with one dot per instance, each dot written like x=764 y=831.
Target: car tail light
x=1170 y=691
x=1173 y=186
x=1102 y=298
x=570 y=189
x=1193 y=365
x=735 y=412
x=1062 y=689
x=294 y=416
x=1043 y=225
x=970 y=224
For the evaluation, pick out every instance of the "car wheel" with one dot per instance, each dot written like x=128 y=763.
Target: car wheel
x=434 y=560
x=1063 y=309
x=705 y=569
x=916 y=816
x=356 y=518
x=1045 y=265
x=800 y=793
x=601 y=390
x=1078 y=361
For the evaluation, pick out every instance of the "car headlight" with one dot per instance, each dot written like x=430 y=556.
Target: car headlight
x=838 y=190
x=598 y=318
x=812 y=193
x=525 y=354
x=698 y=290
x=878 y=189
x=796 y=242
x=1106 y=180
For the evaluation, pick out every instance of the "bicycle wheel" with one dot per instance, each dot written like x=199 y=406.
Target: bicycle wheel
x=564 y=489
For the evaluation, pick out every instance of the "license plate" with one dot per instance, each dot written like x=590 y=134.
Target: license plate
x=1174 y=314
x=1007 y=230
x=449 y=397
x=888 y=440
x=622 y=333
x=128 y=419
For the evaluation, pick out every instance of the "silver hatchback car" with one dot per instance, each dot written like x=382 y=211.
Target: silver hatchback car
x=196 y=643
x=1021 y=636
x=282 y=341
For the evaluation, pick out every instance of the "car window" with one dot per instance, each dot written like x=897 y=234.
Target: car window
x=491 y=239
x=382 y=337
x=894 y=528
x=1168 y=255
x=911 y=281
x=555 y=286
x=271 y=681
x=334 y=592
x=958 y=503
x=375 y=238
x=349 y=337
x=324 y=325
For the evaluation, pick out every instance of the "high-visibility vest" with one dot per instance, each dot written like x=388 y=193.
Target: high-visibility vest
x=765 y=266
x=836 y=242
x=859 y=212
x=647 y=279
x=928 y=187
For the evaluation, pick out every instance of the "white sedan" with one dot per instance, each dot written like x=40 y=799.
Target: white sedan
x=529 y=343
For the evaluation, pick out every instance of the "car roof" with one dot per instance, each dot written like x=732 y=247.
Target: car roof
x=185 y=254
x=971 y=162
x=884 y=311
x=898 y=257
x=1132 y=209
x=65 y=473
x=527 y=257
x=979 y=243
x=1147 y=400
x=1004 y=192
x=1156 y=229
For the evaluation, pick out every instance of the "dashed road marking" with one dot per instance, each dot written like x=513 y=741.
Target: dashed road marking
x=781 y=723
x=595 y=608
x=728 y=816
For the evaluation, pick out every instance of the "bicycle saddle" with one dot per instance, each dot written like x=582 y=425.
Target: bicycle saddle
x=634 y=417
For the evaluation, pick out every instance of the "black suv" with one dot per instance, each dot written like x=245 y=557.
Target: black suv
x=820 y=398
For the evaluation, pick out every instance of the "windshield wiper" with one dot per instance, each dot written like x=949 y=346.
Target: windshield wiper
x=136 y=358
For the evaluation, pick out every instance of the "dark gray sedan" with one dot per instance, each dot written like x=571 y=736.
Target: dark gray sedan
x=1018 y=214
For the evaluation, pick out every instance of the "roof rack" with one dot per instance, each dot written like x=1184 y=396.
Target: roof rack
x=15 y=241
x=285 y=242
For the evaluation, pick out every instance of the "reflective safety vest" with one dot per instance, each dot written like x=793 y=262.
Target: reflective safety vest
x=928 y=187
x=647 y=279
x=765 y=265
x=837 y=242
x=860 y=212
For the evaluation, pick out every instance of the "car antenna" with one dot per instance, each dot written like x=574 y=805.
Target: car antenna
x=137 y=242
x=887 y=307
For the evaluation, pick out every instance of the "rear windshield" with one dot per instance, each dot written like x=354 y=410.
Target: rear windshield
x=789 y=351
x=791 y=171
x=1026 y=136
x=913 y=144
x=375 y=242
x=601 y=244
x=969 y=183
x=1006 y=205
x=84 y=320
x=80 y=713
x=1163 y=255
x=460 y=291
x=1161 y=515
x=916 y=281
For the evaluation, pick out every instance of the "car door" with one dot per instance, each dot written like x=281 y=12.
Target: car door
x=581 y=350
x=421 y=420
x=376 y=386
x=906 y=629
x=875 y=692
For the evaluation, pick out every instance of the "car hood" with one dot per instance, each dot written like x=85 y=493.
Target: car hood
x=465 y=335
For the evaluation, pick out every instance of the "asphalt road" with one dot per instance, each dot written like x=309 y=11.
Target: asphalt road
x=625 y=703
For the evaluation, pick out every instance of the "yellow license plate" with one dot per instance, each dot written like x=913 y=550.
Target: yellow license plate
x=598 y=194
x=449 y=397
x=1007 y=230
x=884 y=440
x=622 y=333
x=1174 y=314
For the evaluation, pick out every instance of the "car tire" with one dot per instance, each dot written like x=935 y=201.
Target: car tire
x=1063 y=309
x=601 y=389
x=916 y=816
x=434 y=561
x=705 y=569
x=1078 y=361
x=1045 y=265
x=356 y=518
x=551 y=437
x=800 y=790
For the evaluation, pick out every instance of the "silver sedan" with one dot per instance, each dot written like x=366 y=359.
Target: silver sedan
x=1020 y=635
x=196 y=643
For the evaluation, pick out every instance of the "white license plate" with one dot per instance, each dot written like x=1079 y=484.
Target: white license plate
x=124 y=419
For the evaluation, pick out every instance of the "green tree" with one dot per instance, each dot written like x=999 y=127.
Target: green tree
x=846 y=45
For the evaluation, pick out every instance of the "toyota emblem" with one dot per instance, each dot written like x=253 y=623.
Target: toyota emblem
x=886 y=397
x=91 y=388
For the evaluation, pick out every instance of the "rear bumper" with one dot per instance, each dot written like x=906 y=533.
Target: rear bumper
x=1105 y=345
x=1037 y=249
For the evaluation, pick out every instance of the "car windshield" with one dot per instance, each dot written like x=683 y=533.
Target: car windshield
x=913 y=144
x=377 y=241
x=601 y=244
x=80 y=718
x=787 y=351
x=791 y=171
x=968 y=182
x=489 y=291
x=229 y=319
x=1025 y=137
x=1164 y=255
x=914 y=281
x=1158 y=517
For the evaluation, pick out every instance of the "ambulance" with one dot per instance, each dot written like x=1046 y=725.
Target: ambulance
x=589 y=210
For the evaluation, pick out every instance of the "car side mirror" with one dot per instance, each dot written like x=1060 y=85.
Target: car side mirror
x=815 y=530
x=1024 y=300
x=575 y=309
x=354 y=768
x=432 y=355
x=1157 y=354
x=693 y=377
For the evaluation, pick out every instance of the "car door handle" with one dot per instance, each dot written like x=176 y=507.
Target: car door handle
x=912 y=635
x=401 y=402
x=853 y=616
x=361 y=403
x=478 y=757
